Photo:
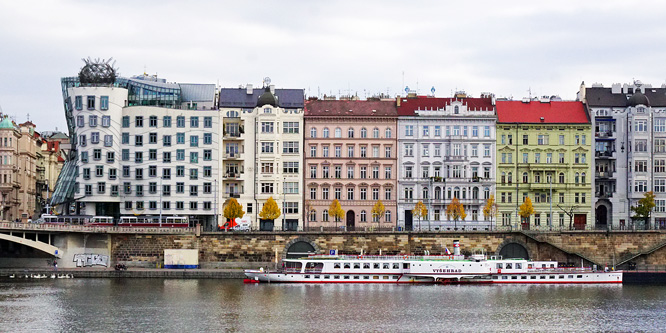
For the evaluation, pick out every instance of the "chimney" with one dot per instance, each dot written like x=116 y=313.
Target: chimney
x=456 y=247
x=249 y=89
x=542 y=119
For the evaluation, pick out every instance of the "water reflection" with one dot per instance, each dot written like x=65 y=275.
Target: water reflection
x=205 y=305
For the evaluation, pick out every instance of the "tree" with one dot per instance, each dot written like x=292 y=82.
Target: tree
x=335 y=211
x=644 y=208
x=420 y=211
x=490 y=210
x=570 y=212
x=378 y=211
x=526 y=209
x=270 y=211
x=233 y=210
x=455 y=211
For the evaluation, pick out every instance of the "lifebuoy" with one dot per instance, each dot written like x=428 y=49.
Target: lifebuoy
x=404 y=257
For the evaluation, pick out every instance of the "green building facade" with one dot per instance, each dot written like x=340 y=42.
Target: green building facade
x=544 y=151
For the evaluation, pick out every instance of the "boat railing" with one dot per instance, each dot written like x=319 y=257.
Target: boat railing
x=312 y=270
x=385 y=257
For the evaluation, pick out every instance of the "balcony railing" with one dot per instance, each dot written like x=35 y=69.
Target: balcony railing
x=603 y=134
x=233 y=194
x=605 y=153
x=233 y=155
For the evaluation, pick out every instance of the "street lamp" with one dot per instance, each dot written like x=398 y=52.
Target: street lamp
x=161 y=190
x=284 y=202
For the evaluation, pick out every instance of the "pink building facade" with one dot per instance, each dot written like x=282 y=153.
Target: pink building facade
x=350 y=155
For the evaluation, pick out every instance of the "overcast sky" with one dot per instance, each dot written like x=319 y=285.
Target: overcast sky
x=331 y=46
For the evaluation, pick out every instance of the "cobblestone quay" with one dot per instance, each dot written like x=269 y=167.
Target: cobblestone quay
x=251 y=249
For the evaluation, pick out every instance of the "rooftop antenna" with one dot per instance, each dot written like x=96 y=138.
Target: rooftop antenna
x=144 y=71
x=529 y=91
x=28 y=116
x=403 y=78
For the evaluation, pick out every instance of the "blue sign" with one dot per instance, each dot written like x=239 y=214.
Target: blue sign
x=56 y=252
x=333 y=252
x=407 y=89
x=432 y=90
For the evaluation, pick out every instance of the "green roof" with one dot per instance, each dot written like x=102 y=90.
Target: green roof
x=7 y=123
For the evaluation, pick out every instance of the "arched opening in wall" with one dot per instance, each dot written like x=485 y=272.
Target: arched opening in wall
x=300 y=249
x=601 y=215
x=351 y=223
x=513 y=250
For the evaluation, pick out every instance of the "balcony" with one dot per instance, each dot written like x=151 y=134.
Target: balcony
x=604 y=195
x=231 y=194
x=232 y=175
x=603 y=174
x=455 y=158
x=605 y=154
x=608 y=134
x=233 y=155
x=232 y=136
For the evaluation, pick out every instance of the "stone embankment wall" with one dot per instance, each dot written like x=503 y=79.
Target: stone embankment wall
x=251 y=249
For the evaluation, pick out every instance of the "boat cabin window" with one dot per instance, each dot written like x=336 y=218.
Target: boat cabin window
x=570 y=276
x=543 y=265
x=307 y=276
x=347 y=265
x=336 y=277
x=346 y=277
x=375 y=277
x=366 y=265
x=552 y=276
x=552 y=265
x=396 y=265
x=523 y=277
x=356 y=277
x=366 y=277
x=509 y=266
x=519 y=265
x=385 y=266
x=579 y=276
x=542 y=277
x=316 y=276
x=529 y=266
x=405 y=266
x=499 y=266
x=327 y=276
x=375 y=265
x=357 y=266
x=386 y=277
x=395 y=277
x=561 y=276
x=336 y=265
x=532 y=277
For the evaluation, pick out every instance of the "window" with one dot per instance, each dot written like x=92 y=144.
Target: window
x=542 y=139
x=194 y=173
x=350 y=172
x=426 y=131
x=659 y=186
x=350 y=193
x=194 y=122
x=91 y=102
x=659 y=165
x=387 y=172
x=486 y=150
x=78 y=103
x=409 y=130
x=194 y=141
x=94 y=137
x=208 y=122
x=289 y=127
x=640 y=125
x=208 y=138
x=290 y=147
x=266 y=127
x=350 y=151
x=350 y=132
x=641 y=145
x=291 y=207
x=640 y=166
x=166 y=121
x=180 y=187
x=194 y=190
x=267 y=167
x=110 y=157
x=325 y=151
x=364 y=133
x=180 y=121
x=338 y=132
x=641 y=186
x=267 y=147
x=290 y=167
x=325 y=132
x=388 y=133
x=92 y=121
x=97 y=154
x=338 y=151
x=313 y=132
x=486 y=131
x=194 y=157
x=409 y=149
x=659 y=145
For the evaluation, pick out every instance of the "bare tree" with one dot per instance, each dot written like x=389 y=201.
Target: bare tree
x=570 y=212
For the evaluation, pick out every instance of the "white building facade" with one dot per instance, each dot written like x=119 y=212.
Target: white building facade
x=446 y=150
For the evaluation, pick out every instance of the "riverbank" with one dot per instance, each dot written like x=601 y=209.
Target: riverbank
x=129 y=273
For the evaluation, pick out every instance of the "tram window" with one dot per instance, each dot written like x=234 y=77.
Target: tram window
x=357 y=266
x=499 y=266
x=336 y=266
x=356 y=277
x=346 y=277
x=532 y=277
x=396 y=265
x=385 y=266
x=509 y=266
x=375 y=265
x=519 y=265
x=347 y=265
x=366 y=265
x=523 y=277
x=366 y=277
x=552 y=265
x=307 y=276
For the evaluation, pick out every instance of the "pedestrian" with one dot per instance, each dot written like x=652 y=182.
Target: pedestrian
x=55 y=265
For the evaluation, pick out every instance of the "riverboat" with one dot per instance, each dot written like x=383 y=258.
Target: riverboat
x=445 y=269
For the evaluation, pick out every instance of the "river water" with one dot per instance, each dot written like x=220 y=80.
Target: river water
x=158 y=305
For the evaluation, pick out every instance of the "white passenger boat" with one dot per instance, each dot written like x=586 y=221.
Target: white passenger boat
x=453 y=268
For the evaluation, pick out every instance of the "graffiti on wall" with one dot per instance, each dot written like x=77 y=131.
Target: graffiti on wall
x=91 y=259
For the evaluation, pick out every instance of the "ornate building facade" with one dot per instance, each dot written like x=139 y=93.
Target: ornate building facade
x=350 y=155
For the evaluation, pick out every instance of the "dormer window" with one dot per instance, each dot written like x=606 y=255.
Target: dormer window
x=268 y=111
x=456 y=109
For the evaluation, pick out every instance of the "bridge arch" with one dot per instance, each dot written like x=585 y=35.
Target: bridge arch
x=299 y=247
x=41 y=246
x=513 y=248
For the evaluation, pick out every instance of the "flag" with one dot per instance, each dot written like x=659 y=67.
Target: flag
x=446 y=250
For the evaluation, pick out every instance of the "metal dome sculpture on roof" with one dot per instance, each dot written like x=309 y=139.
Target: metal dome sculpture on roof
x=638 y=98
x=7 y=123
x=267 y=98
x=98 y=71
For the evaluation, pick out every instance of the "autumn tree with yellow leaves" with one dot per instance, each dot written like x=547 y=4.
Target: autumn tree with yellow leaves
x=455 y=211
x=270 y=211
x=420 y=211
x=378 y=211
x=335 y=211
x=526 y=210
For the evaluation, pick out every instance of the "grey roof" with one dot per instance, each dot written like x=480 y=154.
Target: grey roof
x=599 y=97
x=196 y=92
x=238 y=97
x=155 y=83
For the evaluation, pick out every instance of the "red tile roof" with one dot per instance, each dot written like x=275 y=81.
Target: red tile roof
x=408 y=105
x=320 y=108
x=555 y=112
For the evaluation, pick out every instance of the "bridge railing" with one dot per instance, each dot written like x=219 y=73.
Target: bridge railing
x=92 y=229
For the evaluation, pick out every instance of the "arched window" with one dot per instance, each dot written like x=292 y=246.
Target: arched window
x=325 y=134
x=338 y=132
x=448 y=193
x=456 y=192
x=503 y=177
x=486 y=193
x=456 y=109
x=387 y=216
x=364 y=217
x=438 y=192
x=375 y=133
x=388 y=133
x=561 y=178
x=510 y=177
x=525 y=178
x=313 y=132
x=475 y=193
x=324 y=216
x=313 y=215
x=350 y=132
x=577 y=178
x=425 y=192
x=582 y=177
x=364 y=133
x=232 y=114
